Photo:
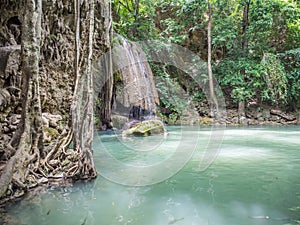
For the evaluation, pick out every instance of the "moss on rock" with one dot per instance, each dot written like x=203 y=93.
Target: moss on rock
x=146 y=128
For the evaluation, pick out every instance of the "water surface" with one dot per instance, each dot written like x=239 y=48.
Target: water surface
x=255 y=180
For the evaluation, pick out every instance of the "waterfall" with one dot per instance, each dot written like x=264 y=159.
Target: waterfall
x=137 y=96
x=147 y=85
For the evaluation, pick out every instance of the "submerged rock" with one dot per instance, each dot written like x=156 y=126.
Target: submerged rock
x=146 y=128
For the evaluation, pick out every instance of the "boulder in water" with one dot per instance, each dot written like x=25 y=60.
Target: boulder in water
x=146 y=128
x=118 y=121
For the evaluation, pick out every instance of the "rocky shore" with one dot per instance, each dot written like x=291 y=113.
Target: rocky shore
x=263 y=117
x=252 y=117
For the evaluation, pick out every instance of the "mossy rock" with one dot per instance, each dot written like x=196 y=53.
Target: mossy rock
x=146 y=128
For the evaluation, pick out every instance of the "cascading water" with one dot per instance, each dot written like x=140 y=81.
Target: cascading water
x=144 y=74
x=137 y=97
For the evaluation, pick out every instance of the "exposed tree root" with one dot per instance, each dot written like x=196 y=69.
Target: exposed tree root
x=31 y=163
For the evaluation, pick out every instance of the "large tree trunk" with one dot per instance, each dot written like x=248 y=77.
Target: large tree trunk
x=90 y=35
x=82 y=107
x=29 y=139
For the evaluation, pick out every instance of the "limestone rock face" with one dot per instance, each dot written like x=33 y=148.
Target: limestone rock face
x=146 y=128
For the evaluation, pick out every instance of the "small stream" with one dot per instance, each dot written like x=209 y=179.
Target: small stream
x=255 y=180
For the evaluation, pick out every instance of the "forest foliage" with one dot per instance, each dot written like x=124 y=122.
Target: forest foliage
x=266 y=71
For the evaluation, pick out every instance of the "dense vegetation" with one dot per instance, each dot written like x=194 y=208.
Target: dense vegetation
x=255 y=43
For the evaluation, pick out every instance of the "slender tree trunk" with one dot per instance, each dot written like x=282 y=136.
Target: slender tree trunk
x=136 y=10
x=245 y=25
x=29 y=138
x=210 y=75
x=241 y=104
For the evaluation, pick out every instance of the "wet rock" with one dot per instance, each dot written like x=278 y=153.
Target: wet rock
x=282 y=114
x=261 y=119
x=119 y=121
x=253 y=122
x=131 y=124
x=274 y=118
x=276 y=111
x=243 y=120
x=146 y=128
x=235 y=120
x=282 y=121
x=290 y=123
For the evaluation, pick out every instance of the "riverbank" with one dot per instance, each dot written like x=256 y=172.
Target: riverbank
x=253 y=117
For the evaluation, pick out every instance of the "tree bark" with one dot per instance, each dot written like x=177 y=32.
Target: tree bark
x=81 y=124
x=136 y=10
x=210 y=75
x=29 y=138
x=245 y=25
x=91 y=38
x=82 y=110
x=241 y=104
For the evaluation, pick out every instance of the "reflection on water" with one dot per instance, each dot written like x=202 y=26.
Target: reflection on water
x=255 y=180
